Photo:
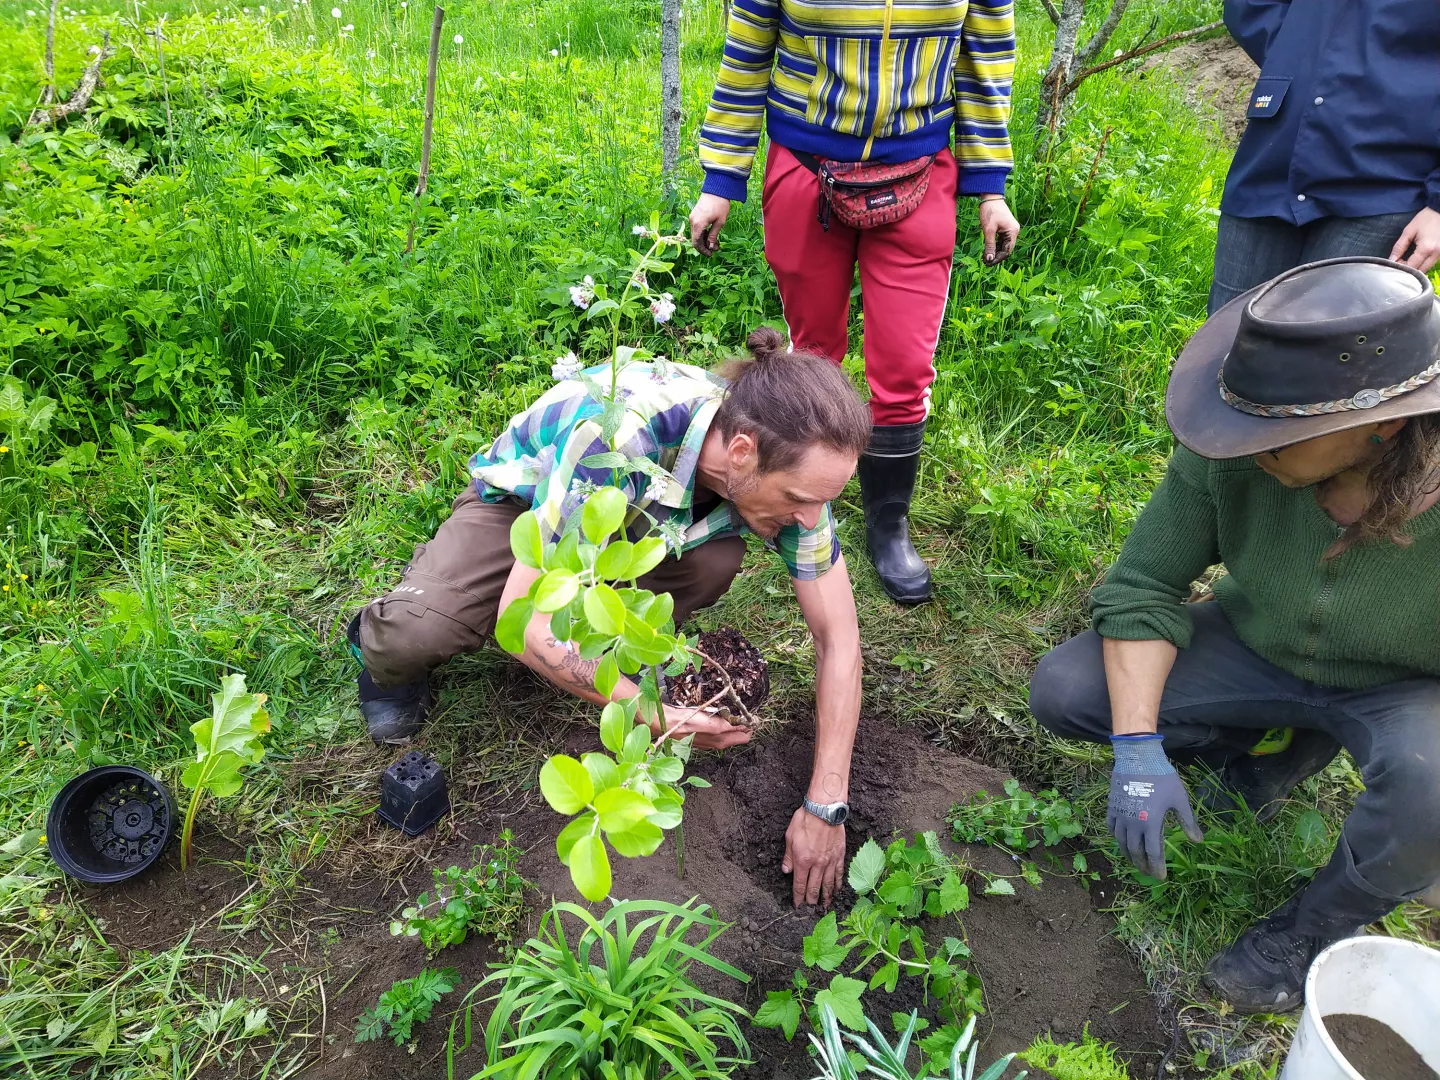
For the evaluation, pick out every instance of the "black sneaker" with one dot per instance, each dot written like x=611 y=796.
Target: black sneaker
x=393 y=715
x=1264 y=970
x=1265 y=781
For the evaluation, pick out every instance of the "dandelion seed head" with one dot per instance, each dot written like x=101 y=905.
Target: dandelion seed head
x=459 y=39
x=335 y=12
x=554 y=52
x=348 y=27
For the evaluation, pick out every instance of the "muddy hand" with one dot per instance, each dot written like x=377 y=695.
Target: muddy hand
x=706 y=220
x=999 y=229
x=711 y=732
x=815 y=856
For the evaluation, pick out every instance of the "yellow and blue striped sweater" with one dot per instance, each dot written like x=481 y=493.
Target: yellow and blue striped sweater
x=864 y=80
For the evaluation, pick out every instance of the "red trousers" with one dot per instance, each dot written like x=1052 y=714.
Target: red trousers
x=904 y=281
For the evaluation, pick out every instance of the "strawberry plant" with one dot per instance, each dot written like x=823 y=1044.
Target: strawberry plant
x=225 y=741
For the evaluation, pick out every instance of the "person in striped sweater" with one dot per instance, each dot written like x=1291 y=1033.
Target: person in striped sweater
x=877 y=81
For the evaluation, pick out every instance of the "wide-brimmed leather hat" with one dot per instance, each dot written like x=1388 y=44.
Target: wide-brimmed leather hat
x=1325 y=347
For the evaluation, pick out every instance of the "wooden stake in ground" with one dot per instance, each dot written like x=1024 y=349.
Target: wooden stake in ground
x=670 y=114
x=424 y=175
x=1094 y=168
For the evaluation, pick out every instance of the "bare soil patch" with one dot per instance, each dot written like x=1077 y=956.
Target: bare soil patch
x=1046 y=956
x=1218 y=76
x=1375 y=1050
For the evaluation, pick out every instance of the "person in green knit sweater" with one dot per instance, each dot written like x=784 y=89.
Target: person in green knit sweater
x=1308 y=416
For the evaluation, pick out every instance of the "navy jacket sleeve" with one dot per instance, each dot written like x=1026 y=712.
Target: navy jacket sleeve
x=1432 y=191
x=1254 y=24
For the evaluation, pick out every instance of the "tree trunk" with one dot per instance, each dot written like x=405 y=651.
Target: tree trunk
x=1052 y=86
x=669 y=90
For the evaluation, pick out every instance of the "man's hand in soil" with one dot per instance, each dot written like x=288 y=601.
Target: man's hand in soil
x=711 y=732
x=815 y=856
x=1144 y=788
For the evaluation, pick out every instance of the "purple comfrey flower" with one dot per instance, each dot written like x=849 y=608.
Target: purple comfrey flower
x=582 y=294
x=662 y=307
x=565 y=367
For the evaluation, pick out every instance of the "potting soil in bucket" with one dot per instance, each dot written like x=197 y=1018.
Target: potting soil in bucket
x=1372 y=1012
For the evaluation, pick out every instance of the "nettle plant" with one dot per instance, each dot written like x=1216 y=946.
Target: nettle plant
x=589 y=588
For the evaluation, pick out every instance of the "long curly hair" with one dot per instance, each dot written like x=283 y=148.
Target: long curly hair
x=1409 y=470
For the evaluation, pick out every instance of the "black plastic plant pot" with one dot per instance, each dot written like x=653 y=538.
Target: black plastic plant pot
x=109 y=824
x=412 y=794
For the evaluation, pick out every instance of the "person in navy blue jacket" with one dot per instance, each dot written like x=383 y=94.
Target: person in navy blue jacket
x=1342 y=152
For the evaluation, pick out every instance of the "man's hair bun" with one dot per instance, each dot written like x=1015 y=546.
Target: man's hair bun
x=765 y=344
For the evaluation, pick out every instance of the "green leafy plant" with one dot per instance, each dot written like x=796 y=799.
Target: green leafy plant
x=588 y=589
x=1089 y=1059
x=225 y=741
x=1018 y=822
x=877 y=1057
x=408 y=1002
x=488 y=898
x=618 y=1004
x=895 y=885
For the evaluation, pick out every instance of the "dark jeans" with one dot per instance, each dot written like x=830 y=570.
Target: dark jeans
x=1220 y=696
x=1251 y=251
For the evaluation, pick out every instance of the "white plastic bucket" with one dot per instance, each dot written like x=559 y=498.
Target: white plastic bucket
x=1395 y=982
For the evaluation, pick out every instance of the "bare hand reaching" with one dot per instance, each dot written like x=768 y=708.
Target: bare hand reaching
x=815 y=857
x=706 y=220
x=999 y=228
x=1423 y=234
x=711 y=732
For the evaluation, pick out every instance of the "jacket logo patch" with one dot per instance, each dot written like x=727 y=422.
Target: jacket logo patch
x=1263 y=101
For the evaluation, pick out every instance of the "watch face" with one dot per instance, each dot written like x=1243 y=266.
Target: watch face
x=839 y=814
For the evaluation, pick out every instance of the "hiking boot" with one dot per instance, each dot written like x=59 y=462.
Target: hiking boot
x=392 y=715
x=888 y=469
x=1264 y=970
x=1265 y=780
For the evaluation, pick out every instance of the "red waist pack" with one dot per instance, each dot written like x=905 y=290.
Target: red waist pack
x=864 y=194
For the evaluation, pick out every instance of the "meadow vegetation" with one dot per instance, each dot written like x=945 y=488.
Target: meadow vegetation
x=230 y=407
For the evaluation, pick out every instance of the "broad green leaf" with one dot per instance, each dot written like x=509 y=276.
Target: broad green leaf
x=669 y=808
x=999 y=887
x=954 y=894
x=621 y=808
x=780 y=1010
x=590 y=868
x=566 y=555
x=822 y=947
x=637 y=633
x=599 y=307
x=605 y=609
x=613 y=562
x=603 y=773
x=613 y=722
x=581 y=826
x=557 y=588
x=640 y=839
x=237 y=723
x=648 y=554
x=512 y=624
x=610 y=459
x=607 y=677
x=223 y=777
x=604 y=513
x=561 y=624
x=886 y=975
x=660 y=610
x=866 y=867
x=898 y=888
x=667 y=770
x=637 y=741
x=566 y=785
x=525 y=542
x=843 y=997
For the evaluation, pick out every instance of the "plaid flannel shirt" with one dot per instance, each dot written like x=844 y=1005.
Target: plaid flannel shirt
x=669 y=409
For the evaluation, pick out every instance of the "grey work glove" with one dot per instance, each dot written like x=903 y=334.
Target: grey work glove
x=1144 y=788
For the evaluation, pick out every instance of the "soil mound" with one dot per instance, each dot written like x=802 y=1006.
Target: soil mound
x=1218 y=76
x=1374 y=1050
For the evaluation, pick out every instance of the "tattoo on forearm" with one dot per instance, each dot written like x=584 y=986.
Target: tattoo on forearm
x=571 y=669
x=832 y=784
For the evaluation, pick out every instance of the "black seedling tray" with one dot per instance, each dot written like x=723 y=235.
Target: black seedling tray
x=412 y=794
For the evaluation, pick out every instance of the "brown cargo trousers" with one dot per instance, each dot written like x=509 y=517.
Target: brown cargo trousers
x=449 y=596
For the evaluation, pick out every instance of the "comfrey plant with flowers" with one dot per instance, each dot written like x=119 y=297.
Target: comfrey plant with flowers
x=589 y=587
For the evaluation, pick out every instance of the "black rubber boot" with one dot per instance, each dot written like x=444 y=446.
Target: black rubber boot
x=1264 y=971
x=1265 y=781
x=887 y=483
x=392 y=715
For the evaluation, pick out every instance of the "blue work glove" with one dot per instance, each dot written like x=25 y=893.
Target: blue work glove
x=1144 y=788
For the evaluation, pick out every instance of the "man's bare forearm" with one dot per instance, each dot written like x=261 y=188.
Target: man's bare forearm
x=1135 y=672
x=829 y=608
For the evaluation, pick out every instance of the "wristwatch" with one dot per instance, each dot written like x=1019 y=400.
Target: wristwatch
x=834 y=813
